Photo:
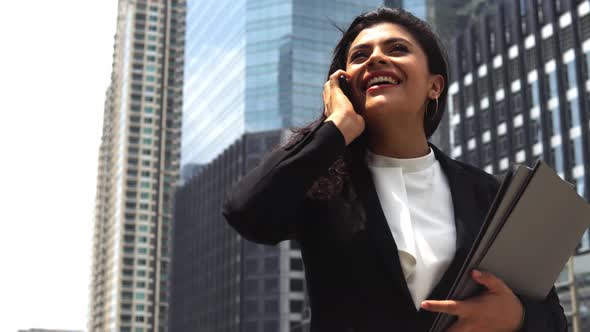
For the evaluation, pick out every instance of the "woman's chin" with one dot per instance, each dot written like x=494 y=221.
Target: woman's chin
x=380 y=104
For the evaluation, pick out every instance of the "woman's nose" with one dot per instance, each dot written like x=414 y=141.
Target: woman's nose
x=377 y=58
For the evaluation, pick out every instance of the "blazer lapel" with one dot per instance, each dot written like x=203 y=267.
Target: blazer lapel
x=379 y=232
x=468 y=220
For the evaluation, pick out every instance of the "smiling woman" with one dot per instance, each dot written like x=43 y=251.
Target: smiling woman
x=384 y=219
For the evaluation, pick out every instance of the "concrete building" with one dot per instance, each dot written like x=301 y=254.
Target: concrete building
x=521 y=93
x=138 y=168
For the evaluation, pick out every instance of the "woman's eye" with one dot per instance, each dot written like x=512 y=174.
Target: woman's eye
x=357 y=55
x=399 y=48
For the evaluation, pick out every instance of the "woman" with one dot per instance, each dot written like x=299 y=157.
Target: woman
x=384 y=219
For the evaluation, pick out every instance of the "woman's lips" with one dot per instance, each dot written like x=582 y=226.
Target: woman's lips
x=380 y=86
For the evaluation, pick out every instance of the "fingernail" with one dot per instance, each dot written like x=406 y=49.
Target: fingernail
x=477 y=273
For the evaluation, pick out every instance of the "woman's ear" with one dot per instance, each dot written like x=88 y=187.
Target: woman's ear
x=437 y=84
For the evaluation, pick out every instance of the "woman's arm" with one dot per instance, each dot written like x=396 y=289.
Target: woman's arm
x=266 y=205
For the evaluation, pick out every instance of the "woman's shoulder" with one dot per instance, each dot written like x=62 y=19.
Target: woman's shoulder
x=479 y=173
x=475 y=173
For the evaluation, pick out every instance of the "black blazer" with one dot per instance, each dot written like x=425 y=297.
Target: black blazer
x=352 y=268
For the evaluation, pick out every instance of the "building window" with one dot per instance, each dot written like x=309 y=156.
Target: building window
x=271 y=285
x=251 y=307
x=485 y=120
x=271 y=326
x=296 y=264
x=250 y=327
x=487 y=153
x=271 y=307
x=252 y=287
x=457 y=134
x=296 y=285
x=271 y=264
x=296 y=306
x=500 y=111
x=540 y=15
x=516 y=102
x=470 y=128
x=557 y=156
x=551 y=86
x=534 y=94
x=587 y=58
x=535 y=131
x=472 y=158
x=503 y=146
x=570 y=75
x=252 y=265
x=573 y=113
x=577 y=153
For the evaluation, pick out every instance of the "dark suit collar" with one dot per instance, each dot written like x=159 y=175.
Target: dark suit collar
x=467 y=222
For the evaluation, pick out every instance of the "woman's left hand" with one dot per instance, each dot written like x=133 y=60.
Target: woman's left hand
x=496 y=309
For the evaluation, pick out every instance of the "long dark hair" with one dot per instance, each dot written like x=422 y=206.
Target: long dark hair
x=327 y=186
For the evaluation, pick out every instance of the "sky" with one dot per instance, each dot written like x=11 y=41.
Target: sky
x=55 y=67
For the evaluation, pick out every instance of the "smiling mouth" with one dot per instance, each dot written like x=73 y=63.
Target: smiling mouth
x=382 y=82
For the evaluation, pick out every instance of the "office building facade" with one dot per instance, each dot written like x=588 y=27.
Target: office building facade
x=264 y=71
x=221 y=282
x=520 y=90
x=138 y=168
x=521 y=93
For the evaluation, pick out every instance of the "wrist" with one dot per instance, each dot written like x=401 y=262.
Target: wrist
x=350 y=125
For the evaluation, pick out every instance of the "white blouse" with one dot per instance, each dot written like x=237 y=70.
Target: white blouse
x=416 y=200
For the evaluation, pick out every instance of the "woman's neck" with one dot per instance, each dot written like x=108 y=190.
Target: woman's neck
x=399 y=143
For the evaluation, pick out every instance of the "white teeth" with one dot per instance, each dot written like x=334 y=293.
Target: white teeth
x=379 y=79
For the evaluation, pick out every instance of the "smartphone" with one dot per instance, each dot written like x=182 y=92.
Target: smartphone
x=344 y=86
x=346 y=89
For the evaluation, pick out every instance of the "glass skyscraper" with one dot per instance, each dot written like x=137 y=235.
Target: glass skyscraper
x=215 y=77
x=265 y=71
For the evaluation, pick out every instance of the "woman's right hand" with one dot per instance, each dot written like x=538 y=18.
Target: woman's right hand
x=338 y=109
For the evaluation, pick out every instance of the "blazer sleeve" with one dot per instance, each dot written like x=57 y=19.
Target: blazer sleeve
x=266 y=205
x=543 y=315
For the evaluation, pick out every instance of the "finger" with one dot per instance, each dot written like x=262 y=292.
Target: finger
x=489 y=280
x=326 y=97
x=447 y=306
x=326 y=92
x=334 y=83
x=335 y=75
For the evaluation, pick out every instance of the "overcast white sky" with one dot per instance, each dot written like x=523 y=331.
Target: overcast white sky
x=55 y=64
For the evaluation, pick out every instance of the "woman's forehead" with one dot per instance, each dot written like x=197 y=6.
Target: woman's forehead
x=382 y=32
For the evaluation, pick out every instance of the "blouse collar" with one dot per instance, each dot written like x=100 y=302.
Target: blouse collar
x=406 y=164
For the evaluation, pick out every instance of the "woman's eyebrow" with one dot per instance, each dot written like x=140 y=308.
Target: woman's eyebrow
x=386 y=42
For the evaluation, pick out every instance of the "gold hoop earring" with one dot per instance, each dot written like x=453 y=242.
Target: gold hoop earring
x=435 y=109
